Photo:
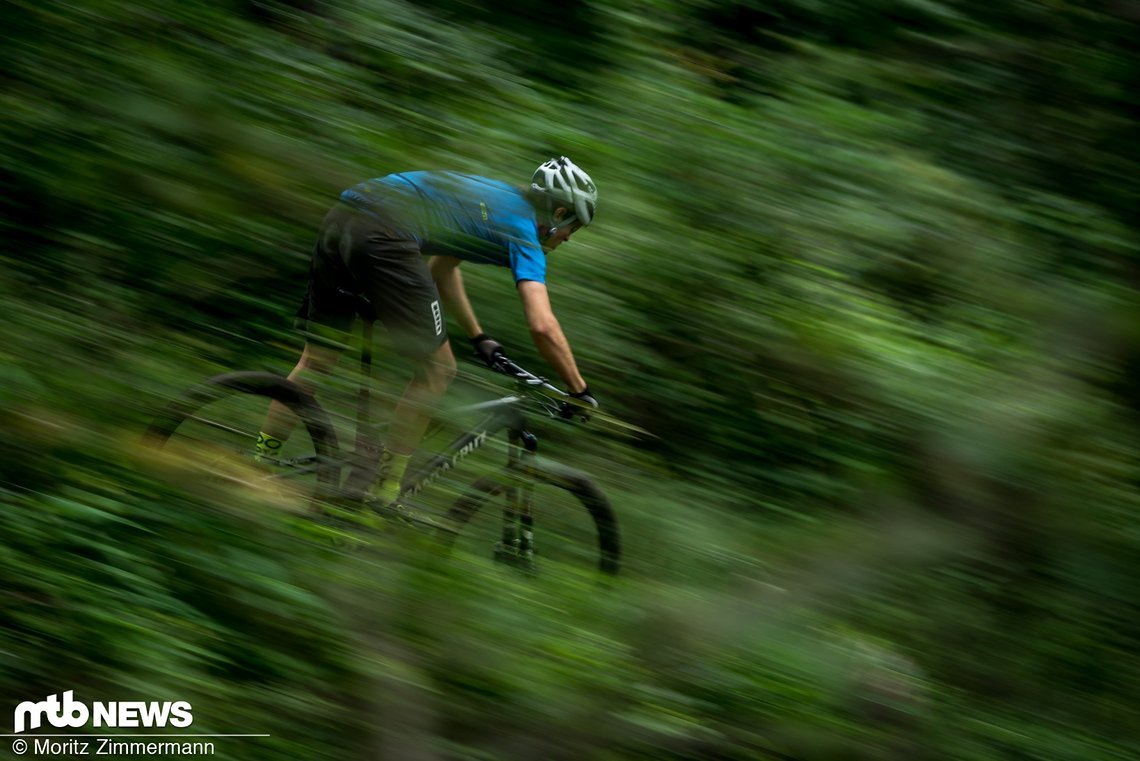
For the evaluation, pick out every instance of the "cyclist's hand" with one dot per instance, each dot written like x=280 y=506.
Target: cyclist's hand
x=586 y=403
x=487 y=349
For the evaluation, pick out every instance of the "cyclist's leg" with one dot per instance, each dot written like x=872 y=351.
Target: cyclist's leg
x=416 y=406
x=413 y=414
x=396 y=279
x=326 y=316
x=316 y=361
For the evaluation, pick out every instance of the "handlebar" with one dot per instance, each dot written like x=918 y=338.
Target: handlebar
x=556 y=402
x=526 y=378
x=554 y=399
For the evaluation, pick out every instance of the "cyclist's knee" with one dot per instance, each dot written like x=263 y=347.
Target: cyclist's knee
x=440 y=376
x=437 y=373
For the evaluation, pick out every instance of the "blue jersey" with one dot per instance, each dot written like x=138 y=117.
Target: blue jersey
x=461 y=215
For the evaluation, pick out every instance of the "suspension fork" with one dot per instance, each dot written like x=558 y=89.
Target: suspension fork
x=518 y=513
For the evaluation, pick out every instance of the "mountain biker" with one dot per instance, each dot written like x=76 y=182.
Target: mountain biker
x=373 y=243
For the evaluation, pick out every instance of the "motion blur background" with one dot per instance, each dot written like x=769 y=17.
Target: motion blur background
x=866 y=270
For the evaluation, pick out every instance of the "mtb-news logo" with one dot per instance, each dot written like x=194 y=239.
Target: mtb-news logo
x=72 y=713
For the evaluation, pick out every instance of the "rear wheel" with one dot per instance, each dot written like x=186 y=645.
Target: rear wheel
x=217 y=424
x=575 y=522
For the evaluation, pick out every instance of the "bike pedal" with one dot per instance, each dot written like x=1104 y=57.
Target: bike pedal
x=396 y=513
x=402 y=514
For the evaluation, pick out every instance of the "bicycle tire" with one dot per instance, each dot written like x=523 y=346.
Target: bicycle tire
x=575 y=482
x=315 y=421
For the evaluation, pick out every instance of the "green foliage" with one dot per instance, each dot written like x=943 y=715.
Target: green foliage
x=146 y=590
x=866 y=271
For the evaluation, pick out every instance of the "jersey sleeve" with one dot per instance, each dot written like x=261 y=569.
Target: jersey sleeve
x=528 y=262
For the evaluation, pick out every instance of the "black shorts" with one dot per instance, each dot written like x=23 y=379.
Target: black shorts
x=358 y=254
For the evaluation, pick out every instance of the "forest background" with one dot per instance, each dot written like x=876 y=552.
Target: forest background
x=866 y=271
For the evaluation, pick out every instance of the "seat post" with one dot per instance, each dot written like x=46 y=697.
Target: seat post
x=363 y=413
x=365 y=457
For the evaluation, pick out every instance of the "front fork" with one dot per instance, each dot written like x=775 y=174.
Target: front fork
x=518 y=515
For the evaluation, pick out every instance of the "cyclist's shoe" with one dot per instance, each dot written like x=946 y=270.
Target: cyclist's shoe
x=266 y=448
x=384 y=468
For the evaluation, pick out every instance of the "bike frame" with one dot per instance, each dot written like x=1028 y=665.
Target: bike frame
x=504 y=413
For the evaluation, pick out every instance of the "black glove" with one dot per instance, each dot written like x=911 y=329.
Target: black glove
x=582 y=410
x=487 y=349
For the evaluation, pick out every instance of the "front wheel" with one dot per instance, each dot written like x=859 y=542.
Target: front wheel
x=578 y=525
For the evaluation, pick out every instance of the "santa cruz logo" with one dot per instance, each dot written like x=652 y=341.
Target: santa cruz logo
x=448 y=463
x=69 y=712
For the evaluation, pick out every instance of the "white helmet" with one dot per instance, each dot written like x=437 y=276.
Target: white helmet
x=565 y=184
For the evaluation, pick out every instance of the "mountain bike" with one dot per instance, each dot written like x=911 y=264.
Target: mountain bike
x=221 y=418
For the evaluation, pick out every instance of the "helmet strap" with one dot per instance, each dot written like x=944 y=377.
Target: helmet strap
x=551 y=204
x=566 y=221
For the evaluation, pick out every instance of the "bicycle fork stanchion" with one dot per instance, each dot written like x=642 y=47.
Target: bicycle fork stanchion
x=526 y=503
x=508 y=545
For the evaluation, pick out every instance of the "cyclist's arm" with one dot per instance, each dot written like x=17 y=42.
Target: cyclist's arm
x=547 y=333
x=445 y=272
